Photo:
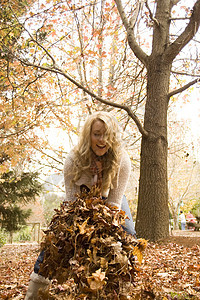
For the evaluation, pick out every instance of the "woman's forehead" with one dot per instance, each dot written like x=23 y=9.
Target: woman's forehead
x=98 y=125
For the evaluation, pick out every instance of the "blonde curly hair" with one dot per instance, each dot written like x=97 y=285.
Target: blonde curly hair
x=83 y=151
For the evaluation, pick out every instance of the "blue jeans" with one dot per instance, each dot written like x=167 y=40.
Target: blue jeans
x=129 y=224
x=129 y=228
x=183 y=226
x=38 y=262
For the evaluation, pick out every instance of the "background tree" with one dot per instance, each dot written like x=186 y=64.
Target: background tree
x=16 y=190
x=25 y=111
x=157 y=57
x=20 y=106
x=196 y=208
x=183 y=184
x=51 y=202
x=183 y=159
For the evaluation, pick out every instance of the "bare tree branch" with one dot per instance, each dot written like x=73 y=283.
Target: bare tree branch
x=140 y=54
x=49 y=165
x=174 y=2
x=26 y=128
x=183 y=88
x=179 y=19
x=151 y=15
x=57 y=70
x=47 y=155
x=185 y=192
x=185 y=74
x=191 y=29
x=133 y=19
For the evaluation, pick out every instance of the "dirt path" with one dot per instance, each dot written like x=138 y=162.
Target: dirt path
x=186 y=238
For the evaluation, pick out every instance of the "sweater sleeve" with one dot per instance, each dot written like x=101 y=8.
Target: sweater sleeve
x=70 y=188
x=115 y=195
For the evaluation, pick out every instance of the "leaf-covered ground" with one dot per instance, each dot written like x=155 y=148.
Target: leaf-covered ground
x=170 y=270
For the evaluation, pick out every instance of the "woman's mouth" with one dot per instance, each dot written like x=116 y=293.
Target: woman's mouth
x=101 y=147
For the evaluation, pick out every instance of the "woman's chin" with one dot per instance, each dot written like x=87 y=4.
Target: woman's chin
x=100 y=152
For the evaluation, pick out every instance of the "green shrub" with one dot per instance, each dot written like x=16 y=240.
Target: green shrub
x=3 y=238
x=196 y=208
x=23 y=235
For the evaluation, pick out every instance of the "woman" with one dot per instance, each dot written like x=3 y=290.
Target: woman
x=99 y=159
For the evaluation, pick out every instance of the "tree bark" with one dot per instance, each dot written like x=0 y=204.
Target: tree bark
x=152 y=220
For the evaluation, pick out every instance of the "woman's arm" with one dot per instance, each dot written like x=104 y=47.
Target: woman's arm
x=70 y=188
x=115 y=195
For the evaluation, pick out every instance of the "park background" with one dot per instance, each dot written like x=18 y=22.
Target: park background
x=62 y=60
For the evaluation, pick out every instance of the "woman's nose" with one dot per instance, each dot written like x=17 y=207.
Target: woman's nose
x=101 y=137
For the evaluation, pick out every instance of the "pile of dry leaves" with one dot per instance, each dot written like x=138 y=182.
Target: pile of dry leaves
x=170 y=270
x=87 y=247
x=102 y=260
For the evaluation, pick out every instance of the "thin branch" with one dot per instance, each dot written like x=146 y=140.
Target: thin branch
x=47 y=155
x=26 y=128
x=53 y=185
x=185 y=74
x=34 y=40
x=174 y=2
x=57 y=70
x=32 y=82
x=186 y=188
x=42 y=164
x=133 y=19
x=179 y=19
x=191 y=29
x=183 y=88
x=151 y=15
x=139 y=53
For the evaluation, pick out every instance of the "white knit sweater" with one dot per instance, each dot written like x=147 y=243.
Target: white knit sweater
x=119 y=182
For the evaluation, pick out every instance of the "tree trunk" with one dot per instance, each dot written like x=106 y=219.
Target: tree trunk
x=174 y=210
x=152 y=220
x=175 y=218
x=11 y=237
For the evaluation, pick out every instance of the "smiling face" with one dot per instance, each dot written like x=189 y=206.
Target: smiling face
x=97 y=135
